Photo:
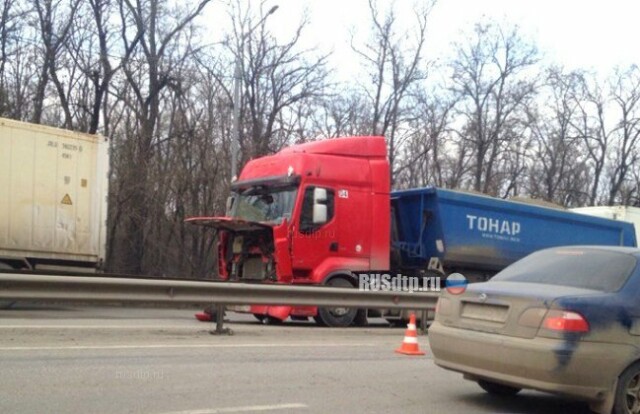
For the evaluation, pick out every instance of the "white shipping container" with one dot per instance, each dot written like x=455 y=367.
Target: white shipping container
x=622 y=213
x=53 y=196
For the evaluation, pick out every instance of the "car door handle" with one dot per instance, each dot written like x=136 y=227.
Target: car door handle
x=333 y=247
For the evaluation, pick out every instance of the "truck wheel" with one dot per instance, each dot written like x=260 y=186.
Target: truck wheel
x=6 y=304
x=627 y=398
x=361 y=318
x=319 y=321
x=270 y=320
x=259 y=317
x=398 y=323
x=498 y=389
x=337 y=317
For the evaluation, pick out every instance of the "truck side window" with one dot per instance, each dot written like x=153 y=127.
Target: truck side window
x=306 y=217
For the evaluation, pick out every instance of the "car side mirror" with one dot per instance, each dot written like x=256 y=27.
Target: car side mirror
x=319 y=206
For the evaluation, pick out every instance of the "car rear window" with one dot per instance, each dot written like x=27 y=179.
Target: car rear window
x=600 y=270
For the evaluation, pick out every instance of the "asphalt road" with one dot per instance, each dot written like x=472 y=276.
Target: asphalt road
x=115 y=360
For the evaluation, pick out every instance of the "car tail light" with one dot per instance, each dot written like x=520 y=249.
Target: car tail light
x=565 y=321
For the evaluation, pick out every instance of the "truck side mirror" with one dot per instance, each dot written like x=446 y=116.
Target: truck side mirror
x=319 y=206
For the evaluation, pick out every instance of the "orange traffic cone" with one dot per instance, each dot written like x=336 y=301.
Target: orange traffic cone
x=410 y=343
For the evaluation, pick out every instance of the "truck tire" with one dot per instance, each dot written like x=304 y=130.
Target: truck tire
x=270 y=320
x=318 y=320
x=627 y=397
x=361 y=318
x=6 y=304
x=397 y=323
x=337 y=317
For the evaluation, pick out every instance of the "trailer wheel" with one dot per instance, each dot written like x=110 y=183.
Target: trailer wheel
x=270 y=320
x=337 y=317
x=361 y=318
x=6 y=304
x=397 y=323
x=318 y=320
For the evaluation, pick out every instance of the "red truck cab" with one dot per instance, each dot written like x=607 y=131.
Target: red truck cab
x=310 y=214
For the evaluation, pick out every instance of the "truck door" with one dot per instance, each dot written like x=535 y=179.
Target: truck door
x=355 y=225
x=315 y=235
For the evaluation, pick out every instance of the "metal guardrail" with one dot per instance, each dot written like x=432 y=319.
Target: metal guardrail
x=23 y=287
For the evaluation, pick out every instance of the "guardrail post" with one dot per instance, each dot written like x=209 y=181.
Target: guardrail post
x=220 y=329
x=423 y=321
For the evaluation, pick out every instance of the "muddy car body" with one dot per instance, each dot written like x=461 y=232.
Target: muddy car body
x=562 y=320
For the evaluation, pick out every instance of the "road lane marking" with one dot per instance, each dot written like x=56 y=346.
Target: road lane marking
x=180 y=346
x=97 y=327
x=251 y=408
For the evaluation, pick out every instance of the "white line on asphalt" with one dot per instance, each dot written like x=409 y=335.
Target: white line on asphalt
x=97 y=327
x=170 y=346
x=251 y=408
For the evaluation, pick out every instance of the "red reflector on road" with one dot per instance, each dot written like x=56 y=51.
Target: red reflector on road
x=203 y=317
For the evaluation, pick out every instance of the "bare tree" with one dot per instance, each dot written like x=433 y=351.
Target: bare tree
x=492 y=76
x=343 y=113
x=394 y=66
x=137 y=72
x=558 y=171
x=594 y=130
x=96 y=58
x=17 y=56
x=625 y=93
x=162 y=42
x=277 y=80
x=10 y=20
x=55 y=23
x=427 y=158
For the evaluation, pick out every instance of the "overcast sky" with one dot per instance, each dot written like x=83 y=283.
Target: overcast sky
x=586 y=34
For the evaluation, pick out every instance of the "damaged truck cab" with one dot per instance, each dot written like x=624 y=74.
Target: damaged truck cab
x=316 y=212
x=310 y=214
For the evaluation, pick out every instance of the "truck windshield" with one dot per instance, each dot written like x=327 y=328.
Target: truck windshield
x=262 y=203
